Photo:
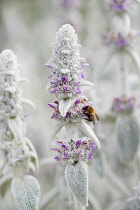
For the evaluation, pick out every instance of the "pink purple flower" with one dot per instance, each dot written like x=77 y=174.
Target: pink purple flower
x=64 y=79
x=73 y=151
x=120 y=5
x=57 y=158
x=124 y=104
x=49 y=66
x=74 y=113
x=120 y=40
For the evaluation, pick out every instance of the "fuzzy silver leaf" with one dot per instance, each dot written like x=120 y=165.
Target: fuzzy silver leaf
x=64 y=106
x=56 y=129
x=17 y=129
x=28 y=102
x=89 y=132
x=35 y=161
x=77 y=180
x=128 y=134
x=86 y=83
x=26 y=192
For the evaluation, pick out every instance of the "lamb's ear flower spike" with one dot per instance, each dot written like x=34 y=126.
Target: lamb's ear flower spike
x=127 y=126
x=21 y=155
x=121 y=38
x=66 y=66
x=71 y=109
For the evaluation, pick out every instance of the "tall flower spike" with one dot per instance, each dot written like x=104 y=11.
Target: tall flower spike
x=21 y=155
x=71 y=109
x=66 y=80
x=66 y=65
x=121 y=39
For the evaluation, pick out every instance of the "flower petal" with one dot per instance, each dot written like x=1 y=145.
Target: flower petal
x=55 y=149
x=78 y=143
x=84 y=65
x=49 y=66
x=57 y=158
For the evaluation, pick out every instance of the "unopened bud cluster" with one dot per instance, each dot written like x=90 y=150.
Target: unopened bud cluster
x=66 y=67
x=10 y=93
x=19 y=155
x=5 y=132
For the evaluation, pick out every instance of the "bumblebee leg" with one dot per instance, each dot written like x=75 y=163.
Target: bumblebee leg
x=97 y=117
x=86 y=119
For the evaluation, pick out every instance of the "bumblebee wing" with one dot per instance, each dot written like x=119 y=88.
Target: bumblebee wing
x=97 y=117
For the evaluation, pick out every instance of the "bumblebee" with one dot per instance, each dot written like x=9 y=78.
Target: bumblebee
x=90 y=114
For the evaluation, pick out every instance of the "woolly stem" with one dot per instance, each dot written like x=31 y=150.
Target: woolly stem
x=72 y=131
x=59 y=181
x=94 y=201
x=49 y=197
x=77 y=205
x=116 y=182
x=123 y=74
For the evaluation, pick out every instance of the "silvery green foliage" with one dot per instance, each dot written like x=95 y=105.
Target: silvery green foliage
x=77 y=179
x=26 y=192
x=20 y=153
x=128 y=135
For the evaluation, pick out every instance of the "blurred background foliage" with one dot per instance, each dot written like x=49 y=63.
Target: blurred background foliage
x=28 y=28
